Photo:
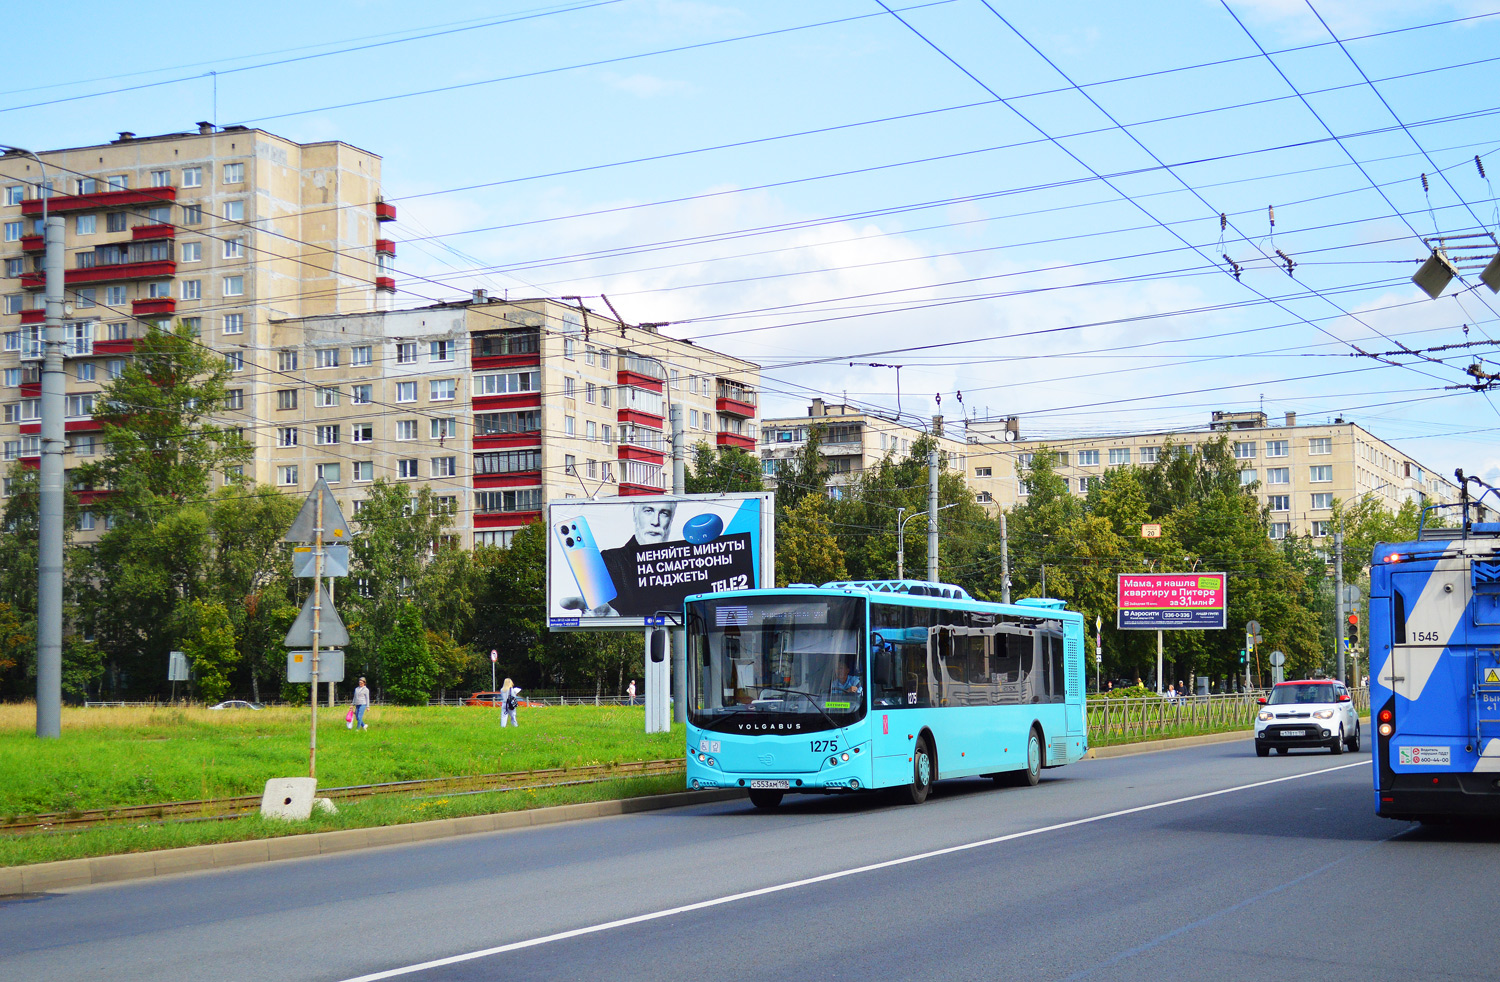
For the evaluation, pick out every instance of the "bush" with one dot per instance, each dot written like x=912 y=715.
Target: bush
x=410 y=670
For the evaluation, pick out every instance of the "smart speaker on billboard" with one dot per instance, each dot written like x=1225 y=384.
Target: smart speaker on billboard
x=614 y=563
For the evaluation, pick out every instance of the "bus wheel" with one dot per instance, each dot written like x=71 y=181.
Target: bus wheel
x=1033 y=772
x=761 y=798
x=921 y=773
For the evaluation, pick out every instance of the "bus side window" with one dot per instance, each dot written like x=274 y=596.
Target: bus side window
x=1058 y=690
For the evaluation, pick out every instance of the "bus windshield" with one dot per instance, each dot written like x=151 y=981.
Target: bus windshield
x=776 y=664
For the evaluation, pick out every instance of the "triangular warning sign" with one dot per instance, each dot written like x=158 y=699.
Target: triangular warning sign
x=335 y=529
x=1492 y=677
x=331 y=630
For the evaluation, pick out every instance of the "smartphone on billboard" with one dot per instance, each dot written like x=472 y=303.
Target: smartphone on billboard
x=584 y=559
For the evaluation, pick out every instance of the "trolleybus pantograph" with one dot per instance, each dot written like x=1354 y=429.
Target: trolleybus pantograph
x=853 y=686
x=1434 y=637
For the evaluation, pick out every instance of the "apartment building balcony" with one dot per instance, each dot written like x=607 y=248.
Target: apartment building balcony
x=728 y=439
x=514 y=348
x=153 y=306
x=385 y=211
x=734 y=399
x=643 y=373
x=100 y=200
x=518 y=479
x=385 y=284
x=33 y=243
x=385 y=246
x=156 y=269
x=34 y=315
x=118 y=346
x=144 y=232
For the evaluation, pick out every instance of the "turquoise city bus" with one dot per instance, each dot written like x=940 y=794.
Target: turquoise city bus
x=854 y=686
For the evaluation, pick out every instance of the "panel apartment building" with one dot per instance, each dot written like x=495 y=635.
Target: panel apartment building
x=498 y=406
x=224 y=229
x=1300 y=469
x=852 y=441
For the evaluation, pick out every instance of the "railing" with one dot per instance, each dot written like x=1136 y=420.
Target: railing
x=1121 y=720
x=642 y=366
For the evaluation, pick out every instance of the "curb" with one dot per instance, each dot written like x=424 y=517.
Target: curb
x=70 y=874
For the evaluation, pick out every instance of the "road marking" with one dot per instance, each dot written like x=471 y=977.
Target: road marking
x=824 y=878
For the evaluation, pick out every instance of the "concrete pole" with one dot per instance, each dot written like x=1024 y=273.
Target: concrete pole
x=679 y=635
x=317 y=629
x=900 y=545
x=1004 y=562
x=50 y=524
x=1338 y=601
x=932 y=510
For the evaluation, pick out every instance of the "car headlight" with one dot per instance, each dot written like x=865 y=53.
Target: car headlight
x=1324 y=714
x=1263 y=716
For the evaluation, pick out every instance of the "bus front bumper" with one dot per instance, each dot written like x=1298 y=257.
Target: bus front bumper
x=842 y=778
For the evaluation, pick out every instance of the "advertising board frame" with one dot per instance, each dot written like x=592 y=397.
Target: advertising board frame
x=1188 y=616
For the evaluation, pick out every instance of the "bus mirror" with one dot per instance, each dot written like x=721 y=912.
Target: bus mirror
x=659 y=645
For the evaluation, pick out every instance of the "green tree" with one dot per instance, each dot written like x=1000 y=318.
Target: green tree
x=410 y=670
x=15 y=639
x=725 y=470
x=206 y=635
x=804 y=474
x=806 y=551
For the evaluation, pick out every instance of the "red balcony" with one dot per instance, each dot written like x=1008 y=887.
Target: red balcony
x=734 y=407
x=33 y=243
x=627 y=452
x=386 y=283
x=513 y=400
x=640 y=418
x=510 y=519
x=36 y=315
x=153 y=305
x=481 y=362
x=385 y=211
x=626 y=377
x=156 y=269
x=497 y=441
x=520 y=479
x=61 y=204
x=386 y=246
x=637 y=490
x=153 y=232
x=736 y=440
x=124 y=346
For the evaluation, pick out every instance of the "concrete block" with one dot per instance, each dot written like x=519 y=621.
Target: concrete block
x=473 y=824
x=389 y=835
x=131 y=866
x=10 y=881
x=342 y=841
x=292 y=847
x=188 y=859
x=325 y=805
x=289 y=797
x=240 y=853
x=56 y=876
x=514 y=820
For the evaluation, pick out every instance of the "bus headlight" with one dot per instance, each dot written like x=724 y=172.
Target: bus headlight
x=845 y=756
x=1386 y=729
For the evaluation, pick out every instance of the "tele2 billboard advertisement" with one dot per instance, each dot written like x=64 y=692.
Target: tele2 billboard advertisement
x=614 y=563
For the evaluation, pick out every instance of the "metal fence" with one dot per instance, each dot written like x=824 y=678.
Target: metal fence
x=1138 y=717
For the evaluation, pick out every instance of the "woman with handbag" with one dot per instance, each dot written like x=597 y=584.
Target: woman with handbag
x=361 y=703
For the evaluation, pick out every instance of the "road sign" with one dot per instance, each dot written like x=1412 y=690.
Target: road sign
x=331 y=627
x=177 y=667
x=1151 y=530
x=1278 y=658
x=335 y=561
x=335 y=529
x=494 y=655
x=330 y=666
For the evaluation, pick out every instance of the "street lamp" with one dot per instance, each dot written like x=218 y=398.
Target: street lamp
x=901 y=536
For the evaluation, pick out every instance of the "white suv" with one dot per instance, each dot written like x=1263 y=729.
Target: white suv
x=1312 y=713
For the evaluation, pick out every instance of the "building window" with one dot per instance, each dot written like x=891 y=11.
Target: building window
x=361 y=395
x=569 y=426
x=114 y=296
x=192 y=252
x=14 y=304
x=192 y=177
x=326 y=358
x=570 y=465
x=234 y=211
x=1247 y=478
x=1321 y=528
x=569 y=345
x=1280 y=530
x=1119 y=455
x=192 y=289
x=364 y=470
x=234 y=399
x=407 y=468
x=692 y=419
x=569 y=388
x=115 y=221
x=406 y=392
x=328 y=397
x=605 y=434
x=444 y=428
x=234 y=174
x=444 y=466
x=286 y=436
x=286 y=360
x=158 y=289
x=14 y=267
x=495 y=424
x=1087 y=483
x=590 y=431
x=984 y=497
x=590 y=392
x=160 y=215
x=12 y=377
x=1279 y=502
x=588 y=354
x=286 y=475
x=234 y=286
x=604 y=392
x=85 y=371
x=235 y=360
x=1320 y=473
x=329 y=472
x=1278 y=475
x=440 y=389
x=406 y=429
x=520 y=499
x=328 y=434
x=979 y=471
x=441 y=351
x=286 y=398
x=1323 y=499
x=118 y=182
x=495 y=538
x=1278 y=448
x=406 y=352
x=512 y=382
x=361 y=356
x=81 y=407
x=85 y=224
x=362 y=433
x=1320 y=445
x=192 y=214
x=15 y=194
x=85 y=521
x=234 y=248
x=1244 y=451
x=234 y=323
x=12 y=231
x=1088 y=458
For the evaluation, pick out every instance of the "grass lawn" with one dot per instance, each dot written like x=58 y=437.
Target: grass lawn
x=131 y=756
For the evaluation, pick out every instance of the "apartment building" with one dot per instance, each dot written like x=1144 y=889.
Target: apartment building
x=1300 y=469
x=498 y=406
x=851 y=441
x=225 y=229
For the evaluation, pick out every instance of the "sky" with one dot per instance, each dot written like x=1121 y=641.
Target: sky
x=1098 y=218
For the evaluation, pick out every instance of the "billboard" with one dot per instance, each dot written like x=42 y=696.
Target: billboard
x=614 y=563
x=1171 y=601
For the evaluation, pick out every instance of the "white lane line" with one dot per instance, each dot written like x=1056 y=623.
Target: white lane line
x=824 y=878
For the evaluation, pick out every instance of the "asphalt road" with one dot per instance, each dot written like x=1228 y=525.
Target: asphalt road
x=1178 y=865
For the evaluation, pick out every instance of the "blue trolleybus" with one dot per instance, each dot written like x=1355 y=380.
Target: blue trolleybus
x=1435 y=672
x=850 y=687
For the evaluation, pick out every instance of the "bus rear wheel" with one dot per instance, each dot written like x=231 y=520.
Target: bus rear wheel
x=922 y=772
x=761 y=798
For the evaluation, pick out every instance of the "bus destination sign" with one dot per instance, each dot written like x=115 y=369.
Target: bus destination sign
x=1171 y=601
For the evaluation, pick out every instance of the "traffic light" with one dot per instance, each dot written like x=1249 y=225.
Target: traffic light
x=1352 y=631
x=1242 y=656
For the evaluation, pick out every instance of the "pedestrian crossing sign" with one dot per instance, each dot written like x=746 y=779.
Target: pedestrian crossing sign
x=1492 y=677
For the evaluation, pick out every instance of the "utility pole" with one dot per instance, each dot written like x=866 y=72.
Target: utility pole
x=317 y=632
x=679 y=635
x=1004 y=562
x=932 y=510
x=1338 y=594
x=50 y=526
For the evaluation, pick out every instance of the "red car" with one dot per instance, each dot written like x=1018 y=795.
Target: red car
x=493 y=699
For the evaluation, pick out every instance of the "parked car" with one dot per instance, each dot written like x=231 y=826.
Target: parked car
x=1307 y=713
x=237 y=704
x=493 y=699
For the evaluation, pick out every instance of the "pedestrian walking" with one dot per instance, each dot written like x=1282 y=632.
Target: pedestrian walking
x=630 y=691
x=510 y=698
x=361 y=703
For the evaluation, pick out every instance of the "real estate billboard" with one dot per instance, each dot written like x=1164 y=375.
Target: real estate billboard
x=1171 y=601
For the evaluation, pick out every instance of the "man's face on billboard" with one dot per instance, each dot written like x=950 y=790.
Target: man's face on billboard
x=653 y=522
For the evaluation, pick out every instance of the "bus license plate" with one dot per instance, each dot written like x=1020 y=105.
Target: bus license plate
x=1294 y=733
x=771 y=785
